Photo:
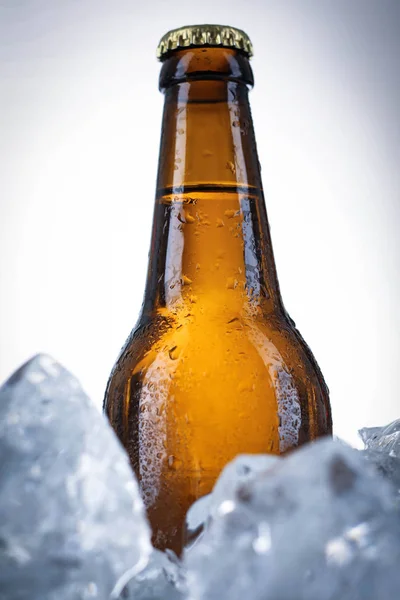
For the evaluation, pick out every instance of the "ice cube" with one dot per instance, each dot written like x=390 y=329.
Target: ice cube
x=195 y=520
x=162 y=579
x=71 y=517
x=388 y=466
x=241 y=470
x=386 y=439
x=319 y=525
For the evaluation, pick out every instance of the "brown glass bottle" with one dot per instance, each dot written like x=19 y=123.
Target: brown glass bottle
x=215 y=366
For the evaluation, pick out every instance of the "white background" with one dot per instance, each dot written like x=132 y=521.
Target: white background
x=80 y=118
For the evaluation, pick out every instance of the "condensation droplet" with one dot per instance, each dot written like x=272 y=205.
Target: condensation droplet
x=246 y=386
x=220 y=223
x=173 y=353
x=232 y=321
x=185 y=280
x=189 y=218
x=230 y=166
x=231 y=283
x=230 y=213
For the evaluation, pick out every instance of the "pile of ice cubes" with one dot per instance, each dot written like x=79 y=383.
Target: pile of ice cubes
x=322 y=523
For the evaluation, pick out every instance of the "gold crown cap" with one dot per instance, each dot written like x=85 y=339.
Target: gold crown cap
x=204 y=35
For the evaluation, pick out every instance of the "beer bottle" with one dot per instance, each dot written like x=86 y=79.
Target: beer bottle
x=215 y=366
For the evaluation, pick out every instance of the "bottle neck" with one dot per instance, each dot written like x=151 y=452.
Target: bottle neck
x=211 y=244
x=207 y=136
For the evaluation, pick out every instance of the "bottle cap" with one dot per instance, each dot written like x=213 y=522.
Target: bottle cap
x=192 y=36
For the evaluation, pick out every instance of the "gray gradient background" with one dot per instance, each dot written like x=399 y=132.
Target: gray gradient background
x=80 y=120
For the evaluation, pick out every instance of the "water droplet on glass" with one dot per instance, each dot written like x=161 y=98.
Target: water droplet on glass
x=189 y=218
x=220 y=223
x=231 y=283
x=173 y=353
x=185 y=280
x=230 y=213
x=246 y=386
x=230 y=166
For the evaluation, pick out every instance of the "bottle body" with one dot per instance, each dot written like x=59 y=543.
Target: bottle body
x=213 y=375
x=215 y=367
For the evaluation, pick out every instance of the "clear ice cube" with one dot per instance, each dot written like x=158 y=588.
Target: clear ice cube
x=162 y=579
x=320 y=525
x=71 y=518
x=239 y=471
x=386 y=439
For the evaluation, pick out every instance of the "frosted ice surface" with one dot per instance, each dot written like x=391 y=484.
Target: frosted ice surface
x=239 y=471
x=388 y=466
x=71 y=518
x=321 y=524
x=162 y=579
x=243 y=469
x=382 y=450
x=196 y=519
x=386 y=439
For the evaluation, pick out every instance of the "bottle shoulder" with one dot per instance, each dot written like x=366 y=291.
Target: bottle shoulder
x=194 y=357
x=221 y=338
